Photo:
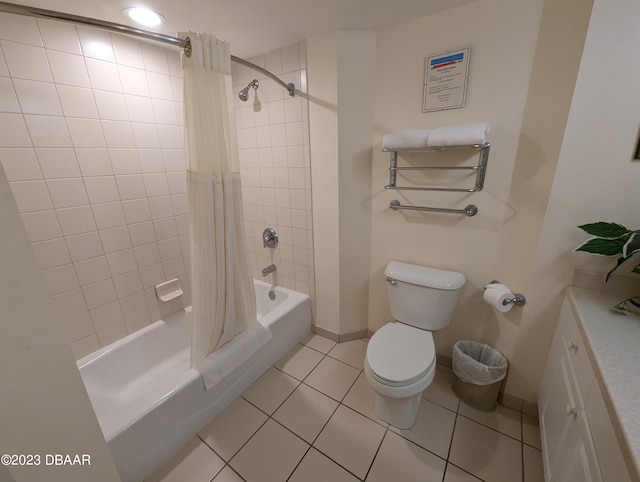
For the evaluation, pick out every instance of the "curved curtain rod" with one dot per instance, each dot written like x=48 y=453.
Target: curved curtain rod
x=125 y=29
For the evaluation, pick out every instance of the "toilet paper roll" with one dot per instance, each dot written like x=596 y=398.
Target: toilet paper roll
x=495 y=294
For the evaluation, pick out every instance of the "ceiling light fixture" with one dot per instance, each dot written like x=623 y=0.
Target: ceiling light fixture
x=144 y=16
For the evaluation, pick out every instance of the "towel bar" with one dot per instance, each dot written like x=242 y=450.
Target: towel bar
x=470 y=210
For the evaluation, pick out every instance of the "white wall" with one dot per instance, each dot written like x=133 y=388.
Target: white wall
x=502 y=35
x=45 y=408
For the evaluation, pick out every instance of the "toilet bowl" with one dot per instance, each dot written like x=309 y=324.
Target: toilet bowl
x=401 y=358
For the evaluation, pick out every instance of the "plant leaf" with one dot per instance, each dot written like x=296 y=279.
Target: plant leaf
x=636 y=270
x=620 y=261
x=604 y=247
x=605 y=230
x=632 y=245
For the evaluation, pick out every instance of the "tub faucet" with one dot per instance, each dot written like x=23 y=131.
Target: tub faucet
x=269 y=269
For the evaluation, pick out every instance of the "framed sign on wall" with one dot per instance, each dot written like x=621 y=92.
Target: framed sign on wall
x=445 y=80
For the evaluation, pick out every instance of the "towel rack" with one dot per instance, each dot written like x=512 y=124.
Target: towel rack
x=480 y=169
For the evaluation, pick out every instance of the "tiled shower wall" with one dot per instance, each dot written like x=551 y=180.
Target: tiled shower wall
x=91 y=142
x=273 y=140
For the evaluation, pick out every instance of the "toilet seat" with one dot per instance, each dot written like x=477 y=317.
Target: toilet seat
x=399 y=355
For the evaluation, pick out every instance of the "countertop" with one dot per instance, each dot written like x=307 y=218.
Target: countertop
x=614 y=346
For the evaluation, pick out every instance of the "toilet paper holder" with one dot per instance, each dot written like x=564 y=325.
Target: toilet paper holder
x=518 y=298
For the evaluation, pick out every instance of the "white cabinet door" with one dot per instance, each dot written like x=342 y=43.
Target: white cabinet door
x=580 y=463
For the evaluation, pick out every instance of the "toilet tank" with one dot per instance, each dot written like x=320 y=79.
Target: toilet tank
x=420 y=296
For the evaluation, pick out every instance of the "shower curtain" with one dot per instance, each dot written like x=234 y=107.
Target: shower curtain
x=223 y=295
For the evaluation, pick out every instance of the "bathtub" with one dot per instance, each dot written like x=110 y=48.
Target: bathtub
x=148 y=400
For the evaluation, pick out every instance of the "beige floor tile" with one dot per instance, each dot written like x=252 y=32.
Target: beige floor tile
x=502 y=419
x=456 y=474
x=299 y=362
x=531 y=431
x=351 y=353
x=533 y=471
x=485 y=453
x=270 y=390
x=440 y=391
x=319 y=343
x=332 y=377
x=351 y=440
x=305 y=412
x=226 y=475
x=433 y=428
x=232 y=428
x=195 y=462
x=401 y=460
x=315 y=467
x=362 y=398
x=270 y=456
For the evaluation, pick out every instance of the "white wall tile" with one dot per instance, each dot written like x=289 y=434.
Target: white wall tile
x=103 y=75
x=155 y=58
x=20 y=164
x=124 y=161
x=4 y=71
x=131 y=186
x=86 y=132
x=161 y=207
x=145 y=136
x=133 y=304
x=92 y=270
x=67 y=192
x=8 y=99
x=140 y=108
x=111 y=334
x=180 y=204
x=70 y=304
x=152 y=275
x=142 y=233
x=127 y=284
x=111 y=105
x=59 y=36
x=48 y=131
x=101 y=189
x=165 y=111
x=165 y=228
x=84 y=346
x=41 y=225
x=174 y=268
x=26 y=61
x=136 y=211
x=290 y=58
x=77 y=102
x=170 y=137
x=94 y=162
x=99 y=294
x=127 y=50
x=151 y=160
x=76 y=220
x=108 y=215
x=58 y=163
x=31 y=196
x=147 y=255
x=51 y=253
x=115 y=239
x=68 y=69
x=122 y=262
x=156 y=184
x=169 y=248
x=84 y=246
x=177 y=182
x=118 y=135
x=13 y=131
x=19 y=29
x=61 y=279
x=134 y=81
x=96 y=43
x=106 y=315
x=159 y=86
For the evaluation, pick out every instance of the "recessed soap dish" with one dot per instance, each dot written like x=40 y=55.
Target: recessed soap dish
x=169 y=290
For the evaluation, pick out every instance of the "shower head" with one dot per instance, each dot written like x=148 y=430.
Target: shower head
x=244 y=93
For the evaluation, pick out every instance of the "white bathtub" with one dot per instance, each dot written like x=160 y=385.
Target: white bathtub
x=149 y=401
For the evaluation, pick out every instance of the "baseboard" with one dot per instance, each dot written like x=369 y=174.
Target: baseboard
x=339 y=337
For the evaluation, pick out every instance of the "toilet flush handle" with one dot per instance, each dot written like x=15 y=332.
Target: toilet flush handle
x=392 y=282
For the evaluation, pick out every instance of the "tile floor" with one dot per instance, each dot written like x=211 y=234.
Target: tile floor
x=310 y=418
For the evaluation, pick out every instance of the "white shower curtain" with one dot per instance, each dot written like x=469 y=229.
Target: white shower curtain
x=223 y=295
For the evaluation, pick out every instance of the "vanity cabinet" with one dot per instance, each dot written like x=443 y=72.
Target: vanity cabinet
x=578 y=439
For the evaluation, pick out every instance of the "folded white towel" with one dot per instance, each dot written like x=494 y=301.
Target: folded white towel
x=233 y=354
x=409 y=139
x=462 y=135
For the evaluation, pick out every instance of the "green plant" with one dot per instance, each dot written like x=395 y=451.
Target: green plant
x=612 y=239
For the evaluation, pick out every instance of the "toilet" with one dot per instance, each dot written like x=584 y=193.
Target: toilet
x=401 y=357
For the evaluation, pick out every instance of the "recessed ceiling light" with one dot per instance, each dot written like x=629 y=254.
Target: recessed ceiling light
x=144 y=16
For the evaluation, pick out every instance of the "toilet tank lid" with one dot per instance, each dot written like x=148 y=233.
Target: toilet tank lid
x=424 y=276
